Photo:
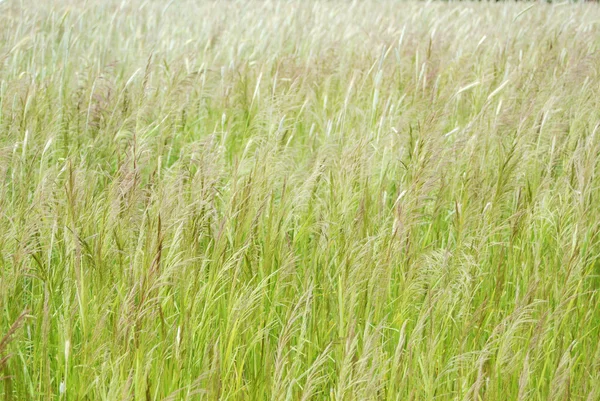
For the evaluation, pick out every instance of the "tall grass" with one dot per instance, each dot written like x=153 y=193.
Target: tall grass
x=299 y=201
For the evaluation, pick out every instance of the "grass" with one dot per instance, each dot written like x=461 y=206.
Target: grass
x=299 y=201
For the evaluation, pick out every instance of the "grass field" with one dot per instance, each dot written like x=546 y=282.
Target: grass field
x=299 y=201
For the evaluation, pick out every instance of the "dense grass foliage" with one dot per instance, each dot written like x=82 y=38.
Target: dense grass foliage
x=299 y=201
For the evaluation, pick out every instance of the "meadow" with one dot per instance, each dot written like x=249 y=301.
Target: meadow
x=299 y=200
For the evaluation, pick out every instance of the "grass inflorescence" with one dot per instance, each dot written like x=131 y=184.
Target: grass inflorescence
x=294 y=200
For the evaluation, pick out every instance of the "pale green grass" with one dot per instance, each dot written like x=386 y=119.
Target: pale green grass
x=299 y=201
